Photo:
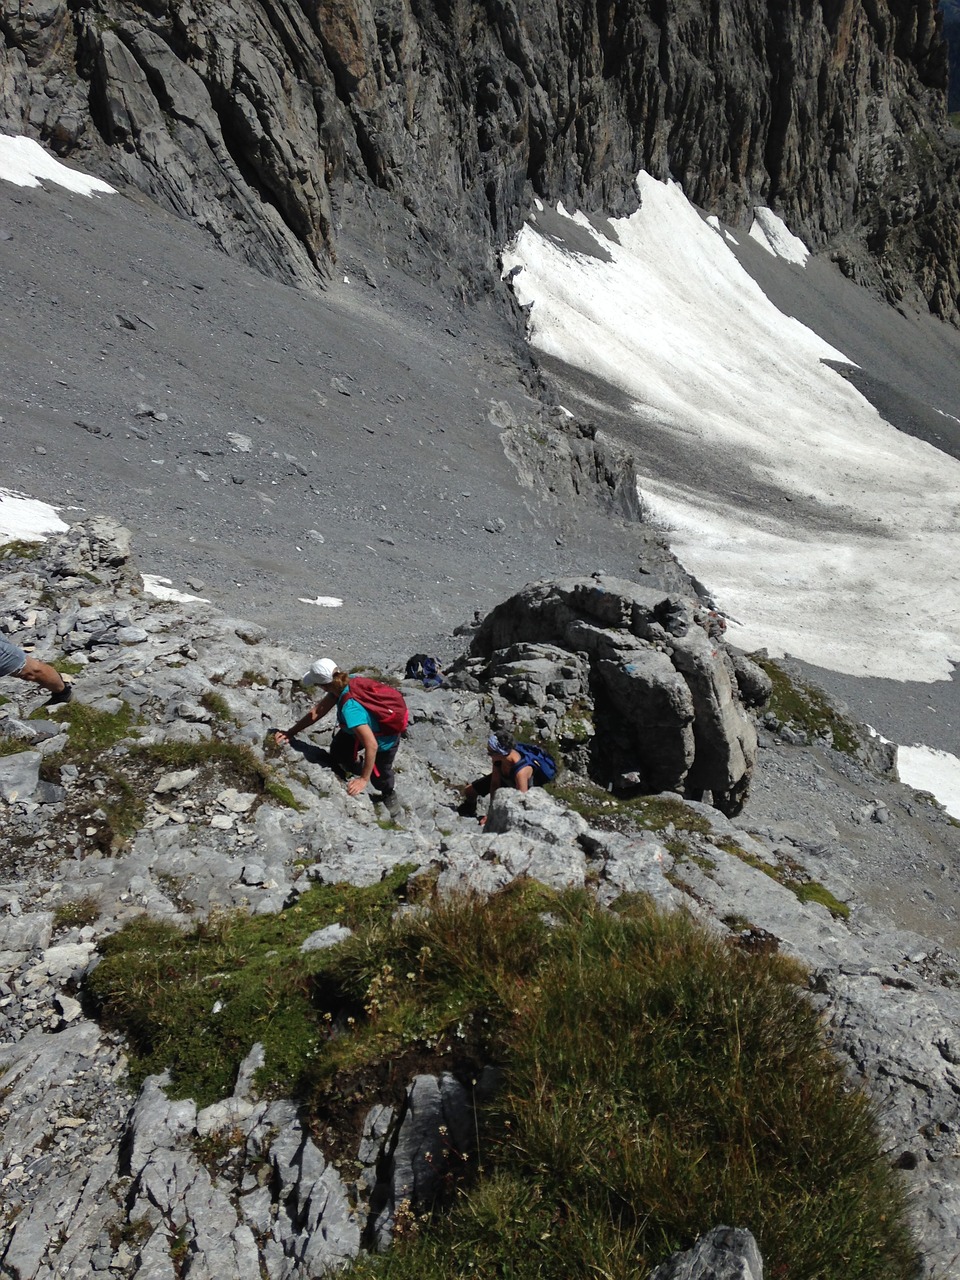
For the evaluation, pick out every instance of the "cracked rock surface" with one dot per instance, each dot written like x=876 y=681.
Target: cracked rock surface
x=94 y=1178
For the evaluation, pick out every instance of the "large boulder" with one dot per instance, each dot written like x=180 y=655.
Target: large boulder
x=667 y=710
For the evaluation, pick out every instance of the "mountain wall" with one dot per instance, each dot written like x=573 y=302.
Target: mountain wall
x=951 y=32
x=425 y=126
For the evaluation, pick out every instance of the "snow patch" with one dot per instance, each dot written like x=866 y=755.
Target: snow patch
x=25 y=163
x=772 y=234
x=27 y=519
x=926 y=769
x=162 y=589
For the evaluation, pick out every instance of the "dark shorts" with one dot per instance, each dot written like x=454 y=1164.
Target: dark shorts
x=11 y=658
x=343 y=753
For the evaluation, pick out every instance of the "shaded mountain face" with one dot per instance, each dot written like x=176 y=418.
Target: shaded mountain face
x=951 y=31
x=429 y=126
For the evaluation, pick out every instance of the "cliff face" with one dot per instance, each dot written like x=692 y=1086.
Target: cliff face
x=431 y=122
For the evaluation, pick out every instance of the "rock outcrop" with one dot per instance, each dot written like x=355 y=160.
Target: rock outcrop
x=648 y=668
x=97 y=1177
x=429 y=128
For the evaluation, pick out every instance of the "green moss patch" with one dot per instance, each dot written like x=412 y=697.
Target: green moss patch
x=197 y=1002
x=806 y=709
x=235 y=763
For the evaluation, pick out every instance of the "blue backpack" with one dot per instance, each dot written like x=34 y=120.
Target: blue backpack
x=425 y=669
x=538 y=758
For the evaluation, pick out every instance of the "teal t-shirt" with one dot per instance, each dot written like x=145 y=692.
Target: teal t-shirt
x=352 y=714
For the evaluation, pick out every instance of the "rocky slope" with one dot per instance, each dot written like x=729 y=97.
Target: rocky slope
x=830 y=860
x=426 y=129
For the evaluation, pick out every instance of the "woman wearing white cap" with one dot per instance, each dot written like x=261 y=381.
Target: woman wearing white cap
x=359 y=730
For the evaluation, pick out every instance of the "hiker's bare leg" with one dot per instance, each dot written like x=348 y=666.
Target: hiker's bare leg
x=41 y=673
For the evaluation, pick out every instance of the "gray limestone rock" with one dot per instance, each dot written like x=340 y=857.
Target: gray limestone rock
x=434 y=1131
x=328 y=937
x=19 y=775
x=27 y=932
x=725 y=1253
x=665 y=707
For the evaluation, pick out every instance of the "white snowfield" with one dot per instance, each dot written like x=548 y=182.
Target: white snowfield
x=163 y=589
x=25 y=163
x=935 y=771
x=24 y=519
x=771 y=233
x=817 y=525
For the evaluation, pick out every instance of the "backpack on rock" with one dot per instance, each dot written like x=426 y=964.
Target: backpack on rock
x=425 y=669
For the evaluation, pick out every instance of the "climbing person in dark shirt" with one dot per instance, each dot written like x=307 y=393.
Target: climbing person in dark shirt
x=512 y=764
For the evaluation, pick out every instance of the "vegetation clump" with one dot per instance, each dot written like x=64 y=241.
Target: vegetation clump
x=655 y=1080
x=658 y=1081
x=91 y=732
x=235 y=761
x=20 y=549
x=76 y=913
x=196 y=1002
x=628 y=813
x=806 y=710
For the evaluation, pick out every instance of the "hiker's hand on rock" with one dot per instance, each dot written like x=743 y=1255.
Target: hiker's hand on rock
x=282 y=735
x=355 y=786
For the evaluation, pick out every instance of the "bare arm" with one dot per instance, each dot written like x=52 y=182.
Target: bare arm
x=316 y=712
x=523 y=777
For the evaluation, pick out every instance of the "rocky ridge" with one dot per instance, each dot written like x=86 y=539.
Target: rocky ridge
x=94 y=1179
x=426 y=131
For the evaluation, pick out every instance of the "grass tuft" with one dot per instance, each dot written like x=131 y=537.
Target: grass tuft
x=806 y=710
x=218 y=706
x=659 y=1081
x=196 y=1002
x=92 y=732
x=236 y=762
x=656 y=1080
x=76 y=914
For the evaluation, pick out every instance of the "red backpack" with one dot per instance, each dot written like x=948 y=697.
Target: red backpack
x=381 y=700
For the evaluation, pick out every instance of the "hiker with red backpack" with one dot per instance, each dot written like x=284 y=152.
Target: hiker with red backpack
x=371 y=716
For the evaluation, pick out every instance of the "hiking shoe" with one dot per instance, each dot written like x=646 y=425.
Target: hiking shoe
x=61 y=696
x=392 y=805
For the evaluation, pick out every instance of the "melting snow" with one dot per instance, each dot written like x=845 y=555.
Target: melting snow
x=772 y=234
x=162 y=589
x=27 y=519
x=938 y=772
x=26 y=164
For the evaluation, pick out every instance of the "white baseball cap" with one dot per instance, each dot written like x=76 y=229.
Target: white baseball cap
x=322 y=672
